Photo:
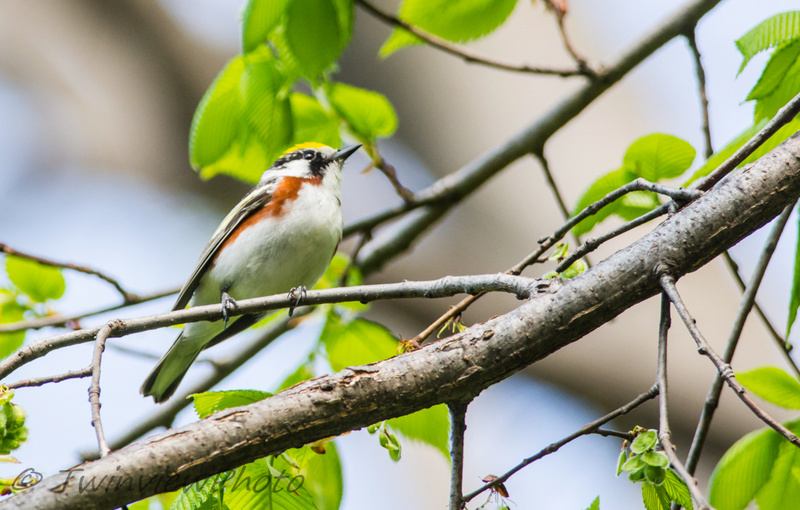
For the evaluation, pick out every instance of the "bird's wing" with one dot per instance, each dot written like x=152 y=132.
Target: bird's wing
x=251 y=203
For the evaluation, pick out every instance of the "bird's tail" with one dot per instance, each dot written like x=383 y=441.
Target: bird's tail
x=168 y=373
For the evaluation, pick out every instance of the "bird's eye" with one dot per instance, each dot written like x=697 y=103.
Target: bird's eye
x=308 y=155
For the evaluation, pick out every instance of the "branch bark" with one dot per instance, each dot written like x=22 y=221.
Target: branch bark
x=454 y=369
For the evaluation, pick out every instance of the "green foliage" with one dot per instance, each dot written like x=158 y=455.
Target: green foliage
x=429 y=426
x=595 y=504
x=313 y=34
x=10 y=312
x=368 y=115
x=773 y=385
x=210 y=402
x=794 y=299
x=653 y=157
x=312 y=122
x=203 y=495
x=454 y=20
x=267 y=484
x=13 y=432
x=768 y=34
x=259 y=19
x=355 y=342
x=779 y=82
x=759 y=466
x=38 y=281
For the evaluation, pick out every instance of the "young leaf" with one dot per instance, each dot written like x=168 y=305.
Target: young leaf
x=457 y=20
x=677 y=490
x=780 y=81
x=356 y=342
x=658 y=156
x=743 y=470
x=267 y=113
x=212 y=401
x=644 y=441
x=595 y=504
x=657 y=459
x=38 y=281
x=259 y=485
x=773 y=385
x=767 y=34
x=599 y=189
x=201 y=495
x=313 y=34
x=323 y=476
x=368 y=114
x=782 y=490
x=11 y=312
x=429 y=426
x=794 y=301
x=259 y=19
x=400 y=38
x=217 y=118
x=311 y=122
x=654 y=497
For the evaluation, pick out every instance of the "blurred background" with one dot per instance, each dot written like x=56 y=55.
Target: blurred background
x=96 y=98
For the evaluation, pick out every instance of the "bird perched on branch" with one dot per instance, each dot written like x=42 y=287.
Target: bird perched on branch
x=280 y=237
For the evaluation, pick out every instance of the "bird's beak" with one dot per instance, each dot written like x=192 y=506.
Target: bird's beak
x=345 y=153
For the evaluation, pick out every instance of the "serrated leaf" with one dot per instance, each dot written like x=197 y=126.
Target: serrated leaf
x=782 y=490
x=743 y=470
x=368 y=114
x=457 y=20
x=312 y=123
x=623 y=457
x=323 y=477
x=644 y=441
x=654 y=497
x=778 y=65
x=677 y=490
x=355 y=342
x=595 y=504
x=11 y=312
x=659 y=156
x=767 y=34
x=212 y=401
x=313 y=34
x=202 y=495
x=786 y=81
x=267 y=113
x=257 y=485
x=303 y=373
x=38 y=281
x=216 y=121
x=400 y=38
x=773 y=385
x=794 y=300
x=599 y=189
x=259 y=19
x=430 y=426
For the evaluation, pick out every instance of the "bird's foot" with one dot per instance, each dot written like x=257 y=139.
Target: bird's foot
x=300 y=293
x=228 y=305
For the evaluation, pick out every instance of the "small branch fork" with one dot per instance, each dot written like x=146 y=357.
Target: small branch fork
x=458 y=420
x=668 y=286
x=464 y=54
x=128 y=297
x=664 y=434
x=590 y=428
x=94 y=389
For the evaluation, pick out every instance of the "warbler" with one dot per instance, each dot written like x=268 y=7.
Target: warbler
x=280 y=237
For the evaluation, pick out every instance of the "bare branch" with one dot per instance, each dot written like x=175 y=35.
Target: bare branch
x=94 y=389
x=126 y=296
x=724 y=369
x=664 y=434
x=458 y=421
x=559 y=10
x=701 y=89
x=463 y=53
x=746 y=304
x=589 y=428
x=41 y=381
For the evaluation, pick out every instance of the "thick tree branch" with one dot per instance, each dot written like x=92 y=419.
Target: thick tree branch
x=454 y=369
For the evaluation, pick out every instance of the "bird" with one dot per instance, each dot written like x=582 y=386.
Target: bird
x=279 y=238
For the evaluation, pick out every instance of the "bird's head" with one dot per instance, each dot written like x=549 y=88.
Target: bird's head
x=310 y=160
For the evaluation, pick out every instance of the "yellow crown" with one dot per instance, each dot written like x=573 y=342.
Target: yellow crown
x=306 y=145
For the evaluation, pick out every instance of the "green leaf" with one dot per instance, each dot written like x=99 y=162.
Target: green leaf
x=303 y=373
x=677 y=490
x=392 y=445
x=11 y=312
x=202 y=495
x=773 y=385
x=313 y=34
x=743 y=470
x=400 y=38
x=430 y=426
x=654 y=497
x=267 y=113
x=599 y=189
x=345 y=15
x=655 y=475
x=356 y=342
x=217 y=118
x=312 y=123
x=794 y=301
x=457 y=20
x=258 y=485
x=767 y=34
x=780 y=81
x=644 y=441
x=659 y=156
x=259 y=19
x=623 y=457
x=595 y=504
x=633 y=464
x=38 y=281
x=368 y=114
x=212 y=401
x=782 y=490
x=657 y=459
x=323 y=476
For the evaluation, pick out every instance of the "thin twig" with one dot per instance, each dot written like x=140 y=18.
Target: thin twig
x=126 y=296
x=615 y=433
x=559 y=10
x=746 y=304
x=781 y=342
x=668 y=285
x=458 y=421
x=664 y=434
x=57 y=321
x=94 y=389
x=701 y=89
x=388 y=170
x=586 y=429
x=462 y=53
x=784 y=116
x=40 y=381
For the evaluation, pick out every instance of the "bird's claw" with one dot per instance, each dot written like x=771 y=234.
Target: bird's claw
x=300 y=292
x=228 y=305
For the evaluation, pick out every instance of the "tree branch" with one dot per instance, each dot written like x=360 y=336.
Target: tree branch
x=458 y=420
x=701 y=90
x=94 y=388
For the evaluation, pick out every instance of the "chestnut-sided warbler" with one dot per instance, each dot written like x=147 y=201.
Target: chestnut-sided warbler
x=280 y=237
